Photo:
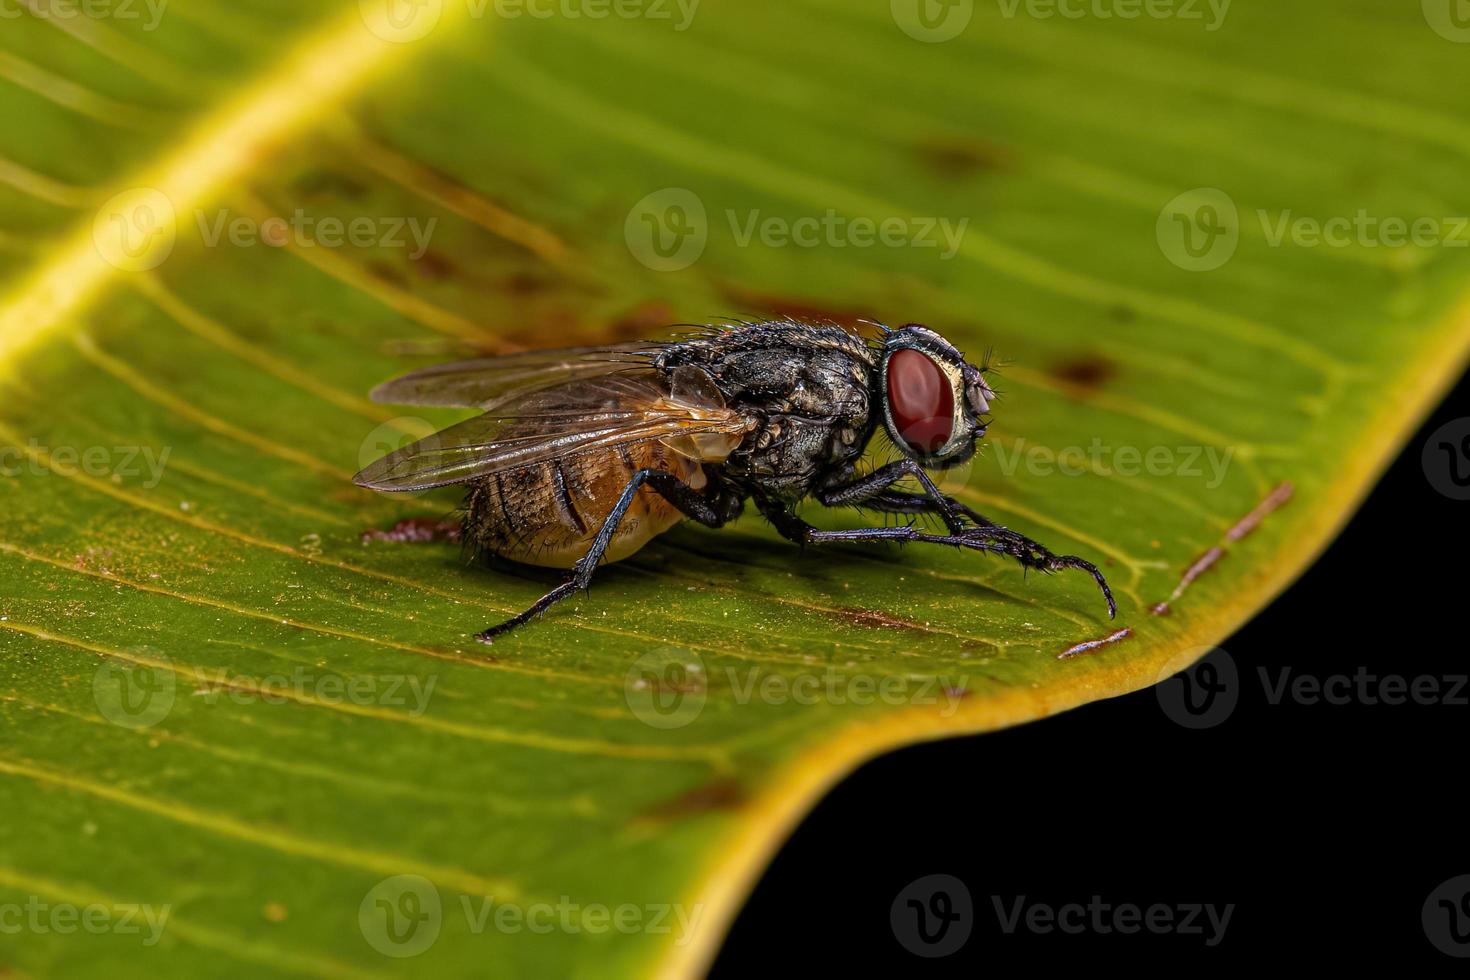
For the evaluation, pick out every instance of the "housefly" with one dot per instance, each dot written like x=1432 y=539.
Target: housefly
x=584 y=455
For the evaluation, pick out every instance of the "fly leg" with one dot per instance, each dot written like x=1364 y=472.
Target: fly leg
x=877 y=487
x=875 y=492
x=989 y=538
x=712 y=509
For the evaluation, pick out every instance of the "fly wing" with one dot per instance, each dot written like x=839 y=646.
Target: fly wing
x=601 y=413
x=492 y=381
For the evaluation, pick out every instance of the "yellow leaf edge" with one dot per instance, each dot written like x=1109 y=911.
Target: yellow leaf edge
x=773 y=813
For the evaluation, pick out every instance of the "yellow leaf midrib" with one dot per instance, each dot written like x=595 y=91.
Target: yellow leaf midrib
x=296 y=91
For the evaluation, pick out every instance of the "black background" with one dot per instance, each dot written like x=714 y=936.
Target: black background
x=1326 y=825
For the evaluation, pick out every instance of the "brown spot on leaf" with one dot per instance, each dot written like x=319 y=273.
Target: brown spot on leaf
x=526 y=284
x=387 y=272
x=1091 y=371
x=715 y=795
x=435 y=266
x=959 y=158
x=873 y=620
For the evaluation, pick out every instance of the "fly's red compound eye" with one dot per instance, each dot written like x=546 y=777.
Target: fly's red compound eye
x=921 y=400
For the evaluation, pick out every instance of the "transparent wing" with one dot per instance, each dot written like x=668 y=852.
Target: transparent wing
x=685 y=412
x=490 y=381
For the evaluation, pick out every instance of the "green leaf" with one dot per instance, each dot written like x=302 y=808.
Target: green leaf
x=220 y=701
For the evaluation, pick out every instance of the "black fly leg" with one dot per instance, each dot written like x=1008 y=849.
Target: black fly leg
x=989 y=537
x=875 y=492
x=713 y=510
x=1033 y=555
x=868 y=491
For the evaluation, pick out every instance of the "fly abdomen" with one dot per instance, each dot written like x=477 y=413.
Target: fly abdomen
x=564 y=503
x=548 y=514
